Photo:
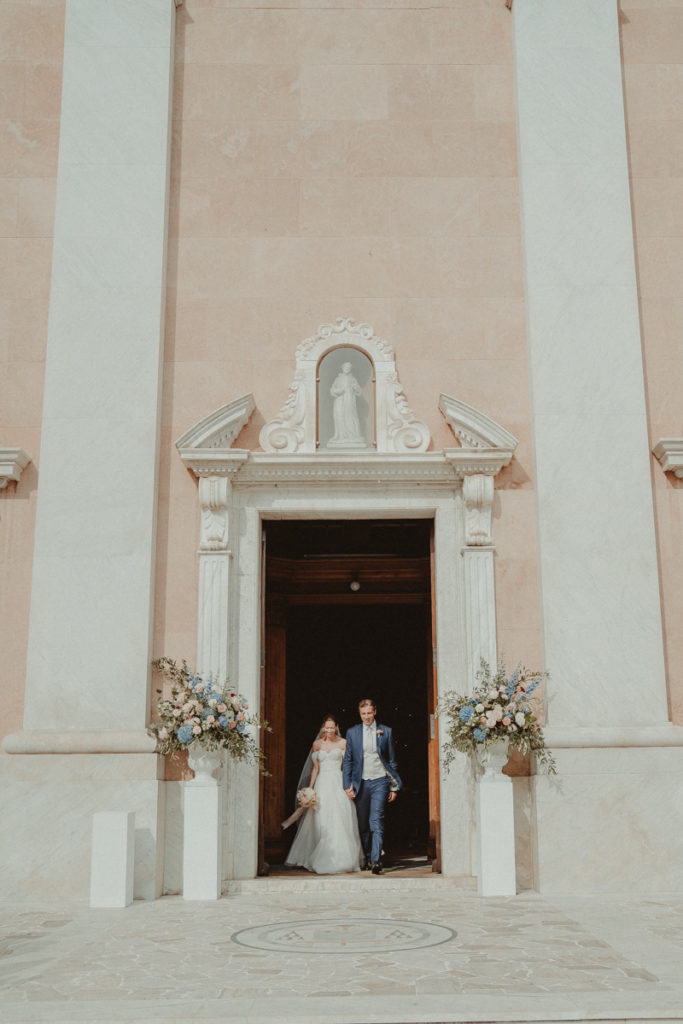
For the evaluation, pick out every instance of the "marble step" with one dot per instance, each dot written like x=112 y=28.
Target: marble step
x=428 y=882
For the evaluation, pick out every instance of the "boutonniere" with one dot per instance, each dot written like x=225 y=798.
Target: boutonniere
x=380 y=732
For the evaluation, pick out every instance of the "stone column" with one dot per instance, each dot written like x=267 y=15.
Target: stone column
x=597 y=553
x=88 y=666
x=93 y=570
x=598 y=559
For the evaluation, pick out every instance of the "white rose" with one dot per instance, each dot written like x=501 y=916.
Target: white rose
x=519 y=718
x=498 y=712
x=479 y=708
x=493 y=694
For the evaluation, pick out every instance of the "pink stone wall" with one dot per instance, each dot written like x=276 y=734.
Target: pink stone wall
x=355 y=160
x=31 y=44
x=652 y=46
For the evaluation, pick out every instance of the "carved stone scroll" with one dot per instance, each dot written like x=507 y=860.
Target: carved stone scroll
x=477 y=491
x=213 y=501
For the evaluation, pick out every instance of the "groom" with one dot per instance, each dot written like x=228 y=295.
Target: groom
x=370 y=778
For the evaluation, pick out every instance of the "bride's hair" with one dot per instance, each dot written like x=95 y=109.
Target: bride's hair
x=327 y=718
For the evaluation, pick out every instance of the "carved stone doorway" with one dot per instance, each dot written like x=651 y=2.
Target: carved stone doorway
x=347 y=615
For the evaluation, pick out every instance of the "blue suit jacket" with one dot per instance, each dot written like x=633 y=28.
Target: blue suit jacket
x=352 y=767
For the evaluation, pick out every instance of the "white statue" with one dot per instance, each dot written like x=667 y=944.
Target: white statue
x=345 y=391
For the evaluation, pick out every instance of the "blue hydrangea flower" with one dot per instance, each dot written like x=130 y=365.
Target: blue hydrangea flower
x=223 y=721
x=512 y=682
x=480 y=735
x=465 y=714
x=185 y=734
x=240 y=727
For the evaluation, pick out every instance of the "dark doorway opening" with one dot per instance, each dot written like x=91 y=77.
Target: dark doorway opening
x=337 y=655
x=348 y=614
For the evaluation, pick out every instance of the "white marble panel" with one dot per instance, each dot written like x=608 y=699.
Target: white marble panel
x=613 y=826
x=598 y=561
x=89 y=641
x=47 y=803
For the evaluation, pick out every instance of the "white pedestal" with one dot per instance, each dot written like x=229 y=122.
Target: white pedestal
x=112 y=859
x=202 y=842
x=496 y=834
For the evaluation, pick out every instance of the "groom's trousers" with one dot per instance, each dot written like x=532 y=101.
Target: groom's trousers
x=370 y=804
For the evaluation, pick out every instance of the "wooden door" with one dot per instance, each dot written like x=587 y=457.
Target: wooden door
x=434 y=851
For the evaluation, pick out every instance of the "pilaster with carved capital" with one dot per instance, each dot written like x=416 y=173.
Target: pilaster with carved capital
x=480 y=597
x=214 y=575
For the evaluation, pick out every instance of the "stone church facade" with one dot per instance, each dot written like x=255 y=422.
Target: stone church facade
x=209 y=207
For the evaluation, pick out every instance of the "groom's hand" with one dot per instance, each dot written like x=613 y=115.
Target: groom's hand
x=350 y=792
x=391 y=797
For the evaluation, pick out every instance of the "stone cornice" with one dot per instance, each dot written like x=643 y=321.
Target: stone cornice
x=251 y=468
x=669 y=451
x=666 y=735
x=12 y=463
x=214 y=461
x=72 y=741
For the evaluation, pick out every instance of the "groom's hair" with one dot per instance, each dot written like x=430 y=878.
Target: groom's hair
x=366 y=700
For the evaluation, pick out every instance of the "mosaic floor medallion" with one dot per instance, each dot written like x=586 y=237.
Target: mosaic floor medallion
x=355 y=935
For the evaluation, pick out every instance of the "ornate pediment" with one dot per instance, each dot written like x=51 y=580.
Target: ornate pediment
x=474 y=429
x=345 y=397
x=204 y=447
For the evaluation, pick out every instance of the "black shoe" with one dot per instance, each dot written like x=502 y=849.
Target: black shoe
x=376 y=868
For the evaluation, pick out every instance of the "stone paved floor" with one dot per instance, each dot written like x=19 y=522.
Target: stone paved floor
x=372 y=953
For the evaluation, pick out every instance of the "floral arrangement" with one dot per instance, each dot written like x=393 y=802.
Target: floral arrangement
x=307 y=797
x=498 y=709
x=201 y=709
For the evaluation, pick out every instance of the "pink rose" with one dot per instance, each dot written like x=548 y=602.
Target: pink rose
x=210 y=719
x=506 y=720
x=222 y=708
x=196 y=729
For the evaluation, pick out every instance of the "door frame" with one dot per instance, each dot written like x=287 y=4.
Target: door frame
x=463 y=615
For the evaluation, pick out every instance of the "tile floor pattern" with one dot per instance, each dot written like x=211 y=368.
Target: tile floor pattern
x=523 y=958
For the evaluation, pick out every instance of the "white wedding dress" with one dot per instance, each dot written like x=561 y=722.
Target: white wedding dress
x=327 y=840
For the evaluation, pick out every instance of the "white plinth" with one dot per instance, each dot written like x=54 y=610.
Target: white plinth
x=112 y=859
x=202 y=842
x=496 y=834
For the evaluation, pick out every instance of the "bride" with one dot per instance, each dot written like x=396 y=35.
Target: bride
x=327 y=840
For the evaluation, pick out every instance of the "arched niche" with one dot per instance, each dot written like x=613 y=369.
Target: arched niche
x=346 y=400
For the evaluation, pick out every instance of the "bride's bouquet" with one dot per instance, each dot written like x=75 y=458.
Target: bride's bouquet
x=306 y=798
